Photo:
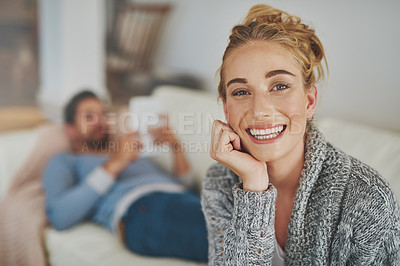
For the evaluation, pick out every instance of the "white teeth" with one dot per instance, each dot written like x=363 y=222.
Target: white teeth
x=268 y=133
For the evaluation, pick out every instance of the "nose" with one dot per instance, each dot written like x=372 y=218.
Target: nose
x=261 y=107
x=103 y=120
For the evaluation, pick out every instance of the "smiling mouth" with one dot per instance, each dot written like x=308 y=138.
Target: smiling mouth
x=266 y=133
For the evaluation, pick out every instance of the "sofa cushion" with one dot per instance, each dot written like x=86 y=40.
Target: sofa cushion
x=191 y=113
x=90 y=244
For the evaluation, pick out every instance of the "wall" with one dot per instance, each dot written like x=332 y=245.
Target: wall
x=72 y=34
x=360 y=38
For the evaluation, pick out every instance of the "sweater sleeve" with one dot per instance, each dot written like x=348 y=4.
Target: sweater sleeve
x=240 y=223
x=69 y=201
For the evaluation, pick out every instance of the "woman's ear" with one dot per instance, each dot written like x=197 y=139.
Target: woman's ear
x=312 y=95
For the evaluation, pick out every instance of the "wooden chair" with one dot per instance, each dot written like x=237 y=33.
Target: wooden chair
x=134 y=39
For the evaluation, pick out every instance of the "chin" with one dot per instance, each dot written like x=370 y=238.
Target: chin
x=100 y=137
x=265 y=156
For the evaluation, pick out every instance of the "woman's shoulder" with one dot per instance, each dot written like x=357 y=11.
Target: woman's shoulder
x=368 y=200
x=360 y=175
x=362 y=186
x=364 y=179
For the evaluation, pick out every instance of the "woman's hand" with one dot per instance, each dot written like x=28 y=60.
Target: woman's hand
x=127 y=151
x=226 y=149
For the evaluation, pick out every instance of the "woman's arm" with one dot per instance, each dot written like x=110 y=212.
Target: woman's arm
x=240 y=223
x=67 y=201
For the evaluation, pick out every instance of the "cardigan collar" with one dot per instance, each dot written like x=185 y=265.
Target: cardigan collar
x=315 y=154
x=314 y=157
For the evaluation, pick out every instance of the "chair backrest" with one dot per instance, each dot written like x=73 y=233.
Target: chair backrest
x=135 y=36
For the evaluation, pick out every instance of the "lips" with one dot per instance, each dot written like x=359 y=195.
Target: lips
x=266 y=133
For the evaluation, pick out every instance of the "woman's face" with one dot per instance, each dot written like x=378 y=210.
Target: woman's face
x=266 y=103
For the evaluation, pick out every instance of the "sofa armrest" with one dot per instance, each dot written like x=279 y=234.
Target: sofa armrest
x=15 y=148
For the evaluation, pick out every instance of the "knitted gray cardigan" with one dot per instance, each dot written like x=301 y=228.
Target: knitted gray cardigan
x=344 y=214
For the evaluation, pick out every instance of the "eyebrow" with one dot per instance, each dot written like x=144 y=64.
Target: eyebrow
x=278 y=72
x=237 y=80
x=268 y=75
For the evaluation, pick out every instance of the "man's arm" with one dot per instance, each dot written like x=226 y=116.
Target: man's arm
x=69 y=202
x=128 y=151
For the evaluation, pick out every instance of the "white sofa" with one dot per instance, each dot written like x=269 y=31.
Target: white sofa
x=191 y=113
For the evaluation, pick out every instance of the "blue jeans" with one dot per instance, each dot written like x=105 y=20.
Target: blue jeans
x=167 y=225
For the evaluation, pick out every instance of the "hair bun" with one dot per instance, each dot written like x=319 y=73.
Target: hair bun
x=265 y=14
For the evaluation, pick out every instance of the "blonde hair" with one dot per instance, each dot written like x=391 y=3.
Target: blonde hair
x=266 y=23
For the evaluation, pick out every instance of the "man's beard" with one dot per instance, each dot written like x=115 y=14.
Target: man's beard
x=97 y=145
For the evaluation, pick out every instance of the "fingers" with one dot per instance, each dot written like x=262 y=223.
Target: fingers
x=236 y=142
x=223 y=140
x=132 y=135
x=216 y=132
x=166 y=139
x=155 y=131
x=131 y=140
x=163 y=135
x=226 y=149
x=164 y=117
x=160 y=130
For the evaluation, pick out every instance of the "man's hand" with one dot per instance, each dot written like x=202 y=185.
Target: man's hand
x=127 y=151
x=164 y=135
x=226 y=149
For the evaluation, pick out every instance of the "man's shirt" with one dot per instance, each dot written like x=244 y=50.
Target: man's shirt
x=78 y=188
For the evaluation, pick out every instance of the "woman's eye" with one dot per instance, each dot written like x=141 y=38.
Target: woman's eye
x=240 y=93
x=280 y=87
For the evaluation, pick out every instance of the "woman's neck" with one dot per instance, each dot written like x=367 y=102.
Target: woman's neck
x=285 y=173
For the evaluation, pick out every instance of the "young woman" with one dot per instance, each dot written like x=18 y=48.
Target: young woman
x=280 y=193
